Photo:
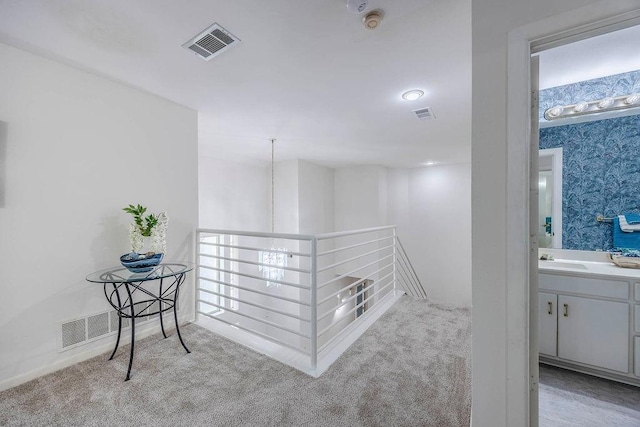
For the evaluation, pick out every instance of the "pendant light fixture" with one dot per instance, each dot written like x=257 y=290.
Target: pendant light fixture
x=276 y=257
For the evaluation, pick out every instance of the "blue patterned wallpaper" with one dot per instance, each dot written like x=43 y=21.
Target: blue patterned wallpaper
x=600 y=174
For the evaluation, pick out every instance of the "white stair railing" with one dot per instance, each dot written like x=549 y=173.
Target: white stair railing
x=356 y=273
x=407 y=276
x=299 y=298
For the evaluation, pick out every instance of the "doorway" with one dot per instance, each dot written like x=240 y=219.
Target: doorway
x=543 y=220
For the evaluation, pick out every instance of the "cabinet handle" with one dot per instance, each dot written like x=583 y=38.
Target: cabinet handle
x=566 y=310
x=550 y=307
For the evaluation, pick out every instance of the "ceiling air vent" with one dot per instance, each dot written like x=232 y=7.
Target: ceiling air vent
x=211 y=42
x=425 y=113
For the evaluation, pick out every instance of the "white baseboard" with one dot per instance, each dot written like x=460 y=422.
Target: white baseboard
x=141 y=332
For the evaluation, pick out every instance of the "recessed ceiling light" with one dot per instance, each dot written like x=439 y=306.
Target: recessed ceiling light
x=430 y=163
x=412 y=95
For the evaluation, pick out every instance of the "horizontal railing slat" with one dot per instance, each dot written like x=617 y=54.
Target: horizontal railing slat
x=353 y=310
x=353 y=232
x=251 y=276
x=253 y=248
x=356 y=283
x=256 y=234
x=352 y=297
x=344 y=248
x=328 y=267
x=241 y=261
x=353 y=271
x=264 y=307
x=331 y=340
x=267 y=294
x=253 y=331
x=257 y=319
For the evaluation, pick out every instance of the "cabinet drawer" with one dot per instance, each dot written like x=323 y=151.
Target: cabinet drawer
x=637 y=292
x=584 y=285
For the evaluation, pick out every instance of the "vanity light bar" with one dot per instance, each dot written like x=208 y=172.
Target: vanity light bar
x=591 y=107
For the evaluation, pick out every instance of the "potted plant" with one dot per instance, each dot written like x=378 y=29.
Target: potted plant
x=145 y=232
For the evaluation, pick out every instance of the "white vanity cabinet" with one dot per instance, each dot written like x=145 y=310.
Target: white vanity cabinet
x=636 y=329
x=594 y=332
x=548 y=323
x=587 y=323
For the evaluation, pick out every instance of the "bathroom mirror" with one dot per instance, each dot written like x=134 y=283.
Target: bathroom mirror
x=550 y=198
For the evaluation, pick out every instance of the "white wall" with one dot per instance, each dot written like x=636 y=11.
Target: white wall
x=398 y=199
x=316 y=198
x=431 y=207
x=500 y=297
x=237 y=196
x=234 y=195
x=78 y=149
x=360 y=197
x=286 y=200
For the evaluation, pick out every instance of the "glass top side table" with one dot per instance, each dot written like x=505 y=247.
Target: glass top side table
x=121 y=286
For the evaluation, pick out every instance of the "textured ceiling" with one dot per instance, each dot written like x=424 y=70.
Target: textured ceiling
x=306 y=72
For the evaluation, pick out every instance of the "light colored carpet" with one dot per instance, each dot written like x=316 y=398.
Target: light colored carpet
x=573 y=399
x=411 y=368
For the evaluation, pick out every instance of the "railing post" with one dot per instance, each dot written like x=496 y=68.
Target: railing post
x=395 y=258
x=196 y=292
x=313 y=302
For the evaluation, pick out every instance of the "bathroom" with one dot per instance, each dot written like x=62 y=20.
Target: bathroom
x=588 y=307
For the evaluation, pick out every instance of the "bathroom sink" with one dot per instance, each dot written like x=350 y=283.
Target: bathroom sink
x=559 y=264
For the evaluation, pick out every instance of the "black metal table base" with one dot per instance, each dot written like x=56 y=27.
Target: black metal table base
x=127 y=308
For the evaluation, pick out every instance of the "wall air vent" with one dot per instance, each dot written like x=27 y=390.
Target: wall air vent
x=425 y=113
x=211 y=42
x=81 y=331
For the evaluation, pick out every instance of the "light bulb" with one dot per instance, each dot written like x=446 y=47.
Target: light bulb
x=581 y=106
x=554 y=112
x=605 y=103
x=632 y=99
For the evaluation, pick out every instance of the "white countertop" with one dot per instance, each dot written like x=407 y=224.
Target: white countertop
x=587 y=268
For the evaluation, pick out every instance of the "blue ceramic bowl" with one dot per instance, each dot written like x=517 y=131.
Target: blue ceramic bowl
x=140 y=263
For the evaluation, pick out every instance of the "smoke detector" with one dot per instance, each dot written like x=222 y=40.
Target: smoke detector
x=211 y=42
x=356 y=6
x=372 y=20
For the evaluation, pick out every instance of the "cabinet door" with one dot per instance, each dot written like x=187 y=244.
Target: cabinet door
x=594 y=332
x=547 y=323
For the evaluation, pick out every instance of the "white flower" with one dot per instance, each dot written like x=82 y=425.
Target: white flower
x=135 y=238
x=159 y=234
x=158 y=238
